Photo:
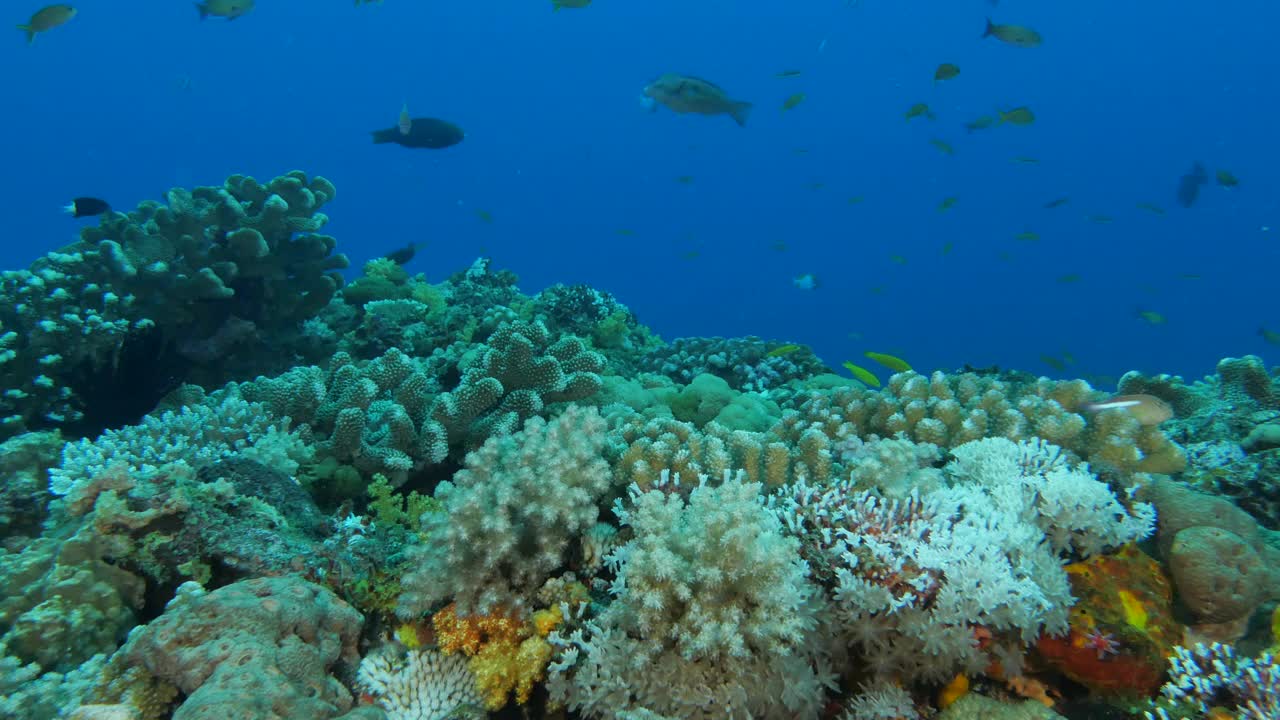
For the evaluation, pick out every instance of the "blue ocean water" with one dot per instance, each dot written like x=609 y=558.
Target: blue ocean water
x=128 y=100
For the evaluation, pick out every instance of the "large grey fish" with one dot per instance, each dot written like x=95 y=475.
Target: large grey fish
x=688 y=94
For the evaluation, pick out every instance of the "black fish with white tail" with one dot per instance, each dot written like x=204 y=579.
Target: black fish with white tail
x=431 y=133
x=86 y=207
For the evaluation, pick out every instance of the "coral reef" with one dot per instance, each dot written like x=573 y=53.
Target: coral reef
x=214 y=272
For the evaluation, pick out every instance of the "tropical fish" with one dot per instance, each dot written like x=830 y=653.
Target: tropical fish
x=624 y=232
x=1027 y=236
x=919 y=110
x=894 y=363
x=484 y=215
x=1147 y=409
x=1270 y=336
x=792 y=101
x=1057 y=202
x=855 y=200
x=877 y=289
x=1016 y=35
x=1189 y=185
x=86 y=207
x=685 y=179
x=779 y=246
x=1101 y=219
x=1151 y=316
x=405 y=123
x=1053 y=362
x=782 y=350
x=945 y=71
x=46 y=19
x=980 y=123
x=943 y=146
x=947 y=247
x=229 y=9
x=1025 y=160
x=862 y=374
x=1151 y=208
x=402 y=256
x=1017 y=116
x=947 y=203
x=690 y=255
x=423 y=133
x=1226 y=179
x=897 y=260
x=688 y=94
x=788 y=74
x=561 y=4
x=807 y=281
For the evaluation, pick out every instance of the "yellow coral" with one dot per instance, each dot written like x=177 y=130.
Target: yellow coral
x=953 y=691
x=503 y=667
x=544 y=621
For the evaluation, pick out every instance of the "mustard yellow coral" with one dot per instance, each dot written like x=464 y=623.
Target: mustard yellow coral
x=503 y=667
x=508 y=655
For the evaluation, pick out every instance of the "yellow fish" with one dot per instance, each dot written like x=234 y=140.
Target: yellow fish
x=1226 y=179
x=862 y=374
x=1152 y=317
x=895 y=364
x=782 y=350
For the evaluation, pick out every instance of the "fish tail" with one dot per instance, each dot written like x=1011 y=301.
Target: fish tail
x=203 y=9
x=990 y=30
x=740 y=112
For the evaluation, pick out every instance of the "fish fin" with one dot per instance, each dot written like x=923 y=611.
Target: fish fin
x=203 y=9
x=740 y=112
x=988 y=32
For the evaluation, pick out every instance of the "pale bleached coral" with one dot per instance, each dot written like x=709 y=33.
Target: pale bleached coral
x=419 y=684
x=511 y=516
x=713 y=615
x=915 y=577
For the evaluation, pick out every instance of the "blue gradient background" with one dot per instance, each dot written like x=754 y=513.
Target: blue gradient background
x=130 y=99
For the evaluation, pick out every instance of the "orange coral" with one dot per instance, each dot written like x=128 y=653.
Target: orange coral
x=469 y=633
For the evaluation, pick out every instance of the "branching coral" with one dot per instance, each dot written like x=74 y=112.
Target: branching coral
x=712 y=615
x=511 y=515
